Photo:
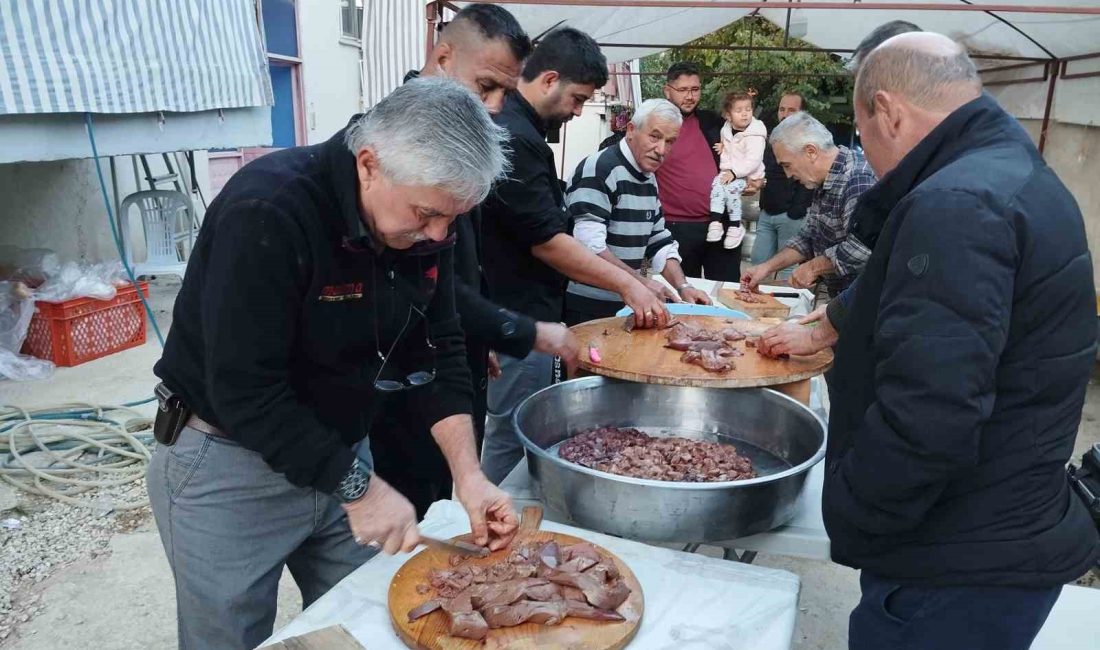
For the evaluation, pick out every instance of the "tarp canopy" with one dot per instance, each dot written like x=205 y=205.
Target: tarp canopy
x=1022 y=34
x=130 y=56
x=1047 y=30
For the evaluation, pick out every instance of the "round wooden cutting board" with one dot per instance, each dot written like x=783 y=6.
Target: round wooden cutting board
x=430 y=632
x=641 y=356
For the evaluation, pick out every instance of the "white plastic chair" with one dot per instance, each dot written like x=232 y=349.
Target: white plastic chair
x=169 y=233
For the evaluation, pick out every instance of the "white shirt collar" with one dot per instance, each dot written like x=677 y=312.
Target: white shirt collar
x=625 y=148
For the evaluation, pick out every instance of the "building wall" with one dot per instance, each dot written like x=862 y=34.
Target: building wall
x=330 y=70
x=58 y=205
x=1073 y=152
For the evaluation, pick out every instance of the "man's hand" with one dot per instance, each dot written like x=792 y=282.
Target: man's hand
x=492 y=518
x=814 y=316
x=694 y=296
x=753 y=185
x=725 y=177
x=661 y=290
x=649 y=310
x=753 y=276
x=494 y=365
x=558 y=340
x=385 y=517
x=797 y=338
x=805 y=275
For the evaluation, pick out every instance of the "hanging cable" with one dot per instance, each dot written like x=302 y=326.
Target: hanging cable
x=114 y=228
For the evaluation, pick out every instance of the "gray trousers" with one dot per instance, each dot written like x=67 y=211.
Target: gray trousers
x=229 y=524
x=519 y=379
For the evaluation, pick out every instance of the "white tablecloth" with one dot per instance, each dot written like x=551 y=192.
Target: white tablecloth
x=691 y=601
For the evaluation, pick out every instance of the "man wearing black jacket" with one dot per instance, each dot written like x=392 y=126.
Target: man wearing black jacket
x=528 y=250
x=322 y=281
x=783 y=200
x=483 y=48
x=961 y=367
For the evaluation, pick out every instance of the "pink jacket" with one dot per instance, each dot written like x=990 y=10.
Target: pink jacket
x=743 y=151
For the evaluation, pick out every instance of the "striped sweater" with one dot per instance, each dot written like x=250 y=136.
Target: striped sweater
x=614 y=207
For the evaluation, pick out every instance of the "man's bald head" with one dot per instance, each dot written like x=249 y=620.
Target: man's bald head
x=905 y=88
x=928 y=70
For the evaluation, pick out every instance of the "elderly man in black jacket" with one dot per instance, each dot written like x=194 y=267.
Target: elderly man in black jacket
x=961 y=368
x=321 y=282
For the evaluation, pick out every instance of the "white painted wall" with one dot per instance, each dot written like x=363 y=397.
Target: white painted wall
x=582 y=136
x=330 y=69
x=59 y=205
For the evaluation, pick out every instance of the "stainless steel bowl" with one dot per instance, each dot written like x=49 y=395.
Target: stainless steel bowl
x=783 y=438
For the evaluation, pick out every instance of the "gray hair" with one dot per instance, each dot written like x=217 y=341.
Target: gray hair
x=660 y=108
x=432 y=131
x=799 y=130
x=929 y=70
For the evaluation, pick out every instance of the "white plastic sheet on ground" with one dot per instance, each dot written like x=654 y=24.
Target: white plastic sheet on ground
x=692 y=602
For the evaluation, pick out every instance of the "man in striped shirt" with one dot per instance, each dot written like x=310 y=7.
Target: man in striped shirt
x=613 y=203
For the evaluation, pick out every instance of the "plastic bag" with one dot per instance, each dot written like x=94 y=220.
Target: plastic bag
x=75 y=280
x=16 y=312
x=31 y=266
x=20 y=367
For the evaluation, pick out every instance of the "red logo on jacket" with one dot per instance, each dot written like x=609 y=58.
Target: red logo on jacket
x=340 y=292
x=432 y=274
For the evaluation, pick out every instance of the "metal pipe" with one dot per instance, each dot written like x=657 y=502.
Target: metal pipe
x=1046 y=110
x=1016 y=66
x=1078 y=75
x=819 y=50
x=758 y=4
x=787 y=28
x=745 y=74
x=1047 y=68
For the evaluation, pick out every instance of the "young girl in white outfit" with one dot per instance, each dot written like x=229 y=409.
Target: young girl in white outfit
x=741 y=159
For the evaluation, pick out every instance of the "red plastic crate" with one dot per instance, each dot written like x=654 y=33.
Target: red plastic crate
x=75 y=331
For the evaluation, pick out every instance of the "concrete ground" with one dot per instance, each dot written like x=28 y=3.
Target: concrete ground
x=123 y=598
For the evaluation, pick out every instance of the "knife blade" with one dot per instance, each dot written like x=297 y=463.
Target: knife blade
x=459 y=548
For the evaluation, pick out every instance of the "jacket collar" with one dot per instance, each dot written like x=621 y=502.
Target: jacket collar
x=356 y=236
x=516 y=103
x=628 y=157
x=968 y=127
x=836 y=173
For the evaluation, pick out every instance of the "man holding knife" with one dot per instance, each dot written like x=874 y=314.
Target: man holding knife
x=321 y=282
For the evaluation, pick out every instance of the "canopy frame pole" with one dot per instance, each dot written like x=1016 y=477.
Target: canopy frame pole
x=760 y=4
x=818 y=50
x=1050 y=103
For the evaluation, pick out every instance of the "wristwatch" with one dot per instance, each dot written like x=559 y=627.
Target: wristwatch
x=354 y=484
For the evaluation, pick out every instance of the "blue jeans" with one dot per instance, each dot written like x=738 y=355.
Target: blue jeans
x=773 y=231
x=898 y=617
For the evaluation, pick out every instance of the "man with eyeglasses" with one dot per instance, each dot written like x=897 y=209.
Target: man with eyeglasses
x=684 y=180
x=321 y=282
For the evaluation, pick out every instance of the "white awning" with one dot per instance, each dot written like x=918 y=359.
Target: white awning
x=394 y=42
x=130 y=56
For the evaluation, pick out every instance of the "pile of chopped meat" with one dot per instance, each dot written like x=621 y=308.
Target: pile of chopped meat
x=629 y=452
x=539 y=582
x=711 y=349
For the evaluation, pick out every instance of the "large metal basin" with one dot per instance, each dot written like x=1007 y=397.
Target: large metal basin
x=783 y=438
